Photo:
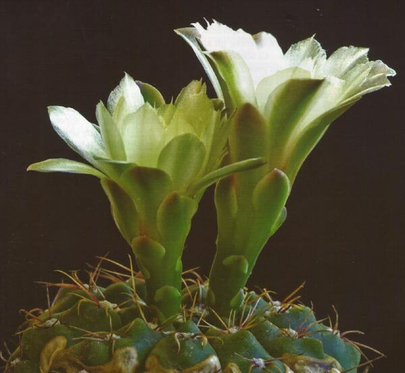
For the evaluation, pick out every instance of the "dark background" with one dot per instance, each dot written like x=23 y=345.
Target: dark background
x=345 y=231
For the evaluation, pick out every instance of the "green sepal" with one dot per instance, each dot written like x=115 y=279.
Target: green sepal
x=267 y=85
x=247 y=137
x=148 y=251
x=148 y=187
x=279 y=221
x=236 y=265
x=269 y=198
x=65 y=165
x=182 y=158
x=253 y=230
x=237 y=86
x=167 y=299
x=174 y=221
x=285 y=111
x=150 y=94
x=226 y=201
x=213 y=177
x=123 y=209
x=163 y=275
x=110 y=133
x=226 y=204
x=190 y=35
x=114 y=169
x=237 y=300
x=303 y=144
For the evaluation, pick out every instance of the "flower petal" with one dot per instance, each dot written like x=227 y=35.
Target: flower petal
x=151 y=94
x=345 y=59
x=110 y=134
x=65 y=165
x=270 y=83
x=300 y=146
x=147 y=188
x=182 y=158
x=194 y=107
x=143 y=136
x=77 y=132
x=308 y=55
x=239 y=87
x=124 y=211
x=375 y=79
x=286 y=113
x=261 y=52
x=190 y=35
x=126 y=98
x=114 y=169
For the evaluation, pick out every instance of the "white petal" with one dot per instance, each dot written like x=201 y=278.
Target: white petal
x=308 y=55
x=261 y=53
x=126 y=98
x=271 y=55
x=376 y=79
x=345 y=59
x=77 y=132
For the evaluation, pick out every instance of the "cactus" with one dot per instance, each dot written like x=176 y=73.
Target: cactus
x=155 y=159
x=104 y=325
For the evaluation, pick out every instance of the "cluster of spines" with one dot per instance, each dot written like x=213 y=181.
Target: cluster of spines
x=88 y=328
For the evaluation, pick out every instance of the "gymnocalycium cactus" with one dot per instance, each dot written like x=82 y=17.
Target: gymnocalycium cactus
x=155 y=160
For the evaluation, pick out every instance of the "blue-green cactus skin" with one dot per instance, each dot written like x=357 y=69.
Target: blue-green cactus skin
x=96 y=329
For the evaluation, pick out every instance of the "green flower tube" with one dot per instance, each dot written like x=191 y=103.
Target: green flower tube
x=154 y=161
x=284 y=103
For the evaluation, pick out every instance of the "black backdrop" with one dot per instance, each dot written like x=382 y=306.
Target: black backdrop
x=344 y=234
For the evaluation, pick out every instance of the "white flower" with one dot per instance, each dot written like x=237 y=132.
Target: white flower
x=259 y=61
x=297 y=93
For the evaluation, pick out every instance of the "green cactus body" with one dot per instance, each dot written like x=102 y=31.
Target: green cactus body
x=116 y=332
